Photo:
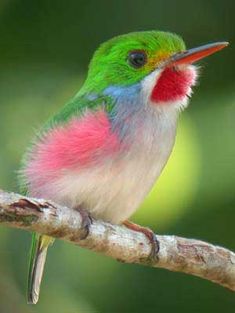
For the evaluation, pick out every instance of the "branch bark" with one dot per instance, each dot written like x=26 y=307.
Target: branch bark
x=175 y=253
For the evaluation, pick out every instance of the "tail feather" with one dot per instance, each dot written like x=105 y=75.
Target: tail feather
x=37 y=261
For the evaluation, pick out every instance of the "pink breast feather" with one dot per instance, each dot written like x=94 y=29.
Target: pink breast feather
x=79 y=143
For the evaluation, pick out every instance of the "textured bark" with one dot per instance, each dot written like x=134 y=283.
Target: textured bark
x=175 y=253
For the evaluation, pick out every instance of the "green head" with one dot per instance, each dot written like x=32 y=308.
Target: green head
x=158 y=60
x=127 y=59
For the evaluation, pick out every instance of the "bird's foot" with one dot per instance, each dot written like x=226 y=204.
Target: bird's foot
x=86 y=222
x=148 y=233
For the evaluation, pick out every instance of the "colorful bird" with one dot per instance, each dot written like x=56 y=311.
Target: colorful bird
x=102 y=153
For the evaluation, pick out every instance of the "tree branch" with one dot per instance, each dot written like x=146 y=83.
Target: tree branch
x=175 y=253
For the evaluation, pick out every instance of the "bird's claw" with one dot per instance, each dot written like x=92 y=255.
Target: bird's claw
x=86 y=222
x=149 y=234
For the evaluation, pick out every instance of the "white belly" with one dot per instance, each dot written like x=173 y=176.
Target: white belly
x=114 y=190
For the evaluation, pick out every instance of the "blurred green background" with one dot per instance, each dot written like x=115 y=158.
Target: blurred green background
x=45 y=47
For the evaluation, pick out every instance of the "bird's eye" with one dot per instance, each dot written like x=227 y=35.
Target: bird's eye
x=137 y=58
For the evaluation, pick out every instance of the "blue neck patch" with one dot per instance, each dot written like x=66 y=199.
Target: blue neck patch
x=127 y=105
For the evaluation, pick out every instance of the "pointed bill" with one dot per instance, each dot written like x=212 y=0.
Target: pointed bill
x=195 y=54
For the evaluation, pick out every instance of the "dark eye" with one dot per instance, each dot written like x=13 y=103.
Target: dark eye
x=137 y=58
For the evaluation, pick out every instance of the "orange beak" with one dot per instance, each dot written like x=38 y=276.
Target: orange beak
x=192 y=55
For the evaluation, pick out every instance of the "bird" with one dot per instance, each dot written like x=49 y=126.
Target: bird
x=103 y=151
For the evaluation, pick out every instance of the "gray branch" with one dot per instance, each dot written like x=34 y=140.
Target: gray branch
x=175 y=253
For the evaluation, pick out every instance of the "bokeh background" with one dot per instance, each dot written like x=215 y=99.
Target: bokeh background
x=45 y=47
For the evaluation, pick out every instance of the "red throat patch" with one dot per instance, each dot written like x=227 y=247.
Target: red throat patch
x=173 y=85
